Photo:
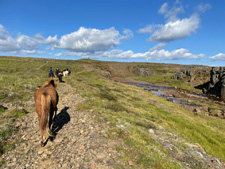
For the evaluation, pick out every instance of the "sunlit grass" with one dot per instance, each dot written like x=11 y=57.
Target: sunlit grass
x=119 y=105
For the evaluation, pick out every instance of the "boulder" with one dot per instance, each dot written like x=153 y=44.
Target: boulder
x=197 y=111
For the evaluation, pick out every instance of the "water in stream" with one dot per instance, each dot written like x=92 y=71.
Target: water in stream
x=157 y=90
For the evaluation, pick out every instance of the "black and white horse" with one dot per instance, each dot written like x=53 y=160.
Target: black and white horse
x=66 y=72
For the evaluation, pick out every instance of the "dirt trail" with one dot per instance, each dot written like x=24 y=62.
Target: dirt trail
x=80 y=141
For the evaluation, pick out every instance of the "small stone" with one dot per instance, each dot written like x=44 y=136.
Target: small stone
x=151 y=131
x=74 y=140
x=82 y=147
x=48 y=152
x=170 y=99
x=197 y=111
x=119 y=125
x=161 y=128
x=101 y=156
x=64 y=165
x=218 y=114
x=218 y=161
x=197 y=154
x=130 y=163
x=41 y=151
x=44 y=155
x=58 y=140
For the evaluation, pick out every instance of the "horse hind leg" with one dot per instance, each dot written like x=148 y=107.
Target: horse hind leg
x=41 y=137
x=55 y=115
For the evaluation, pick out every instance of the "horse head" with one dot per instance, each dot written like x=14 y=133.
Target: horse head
x=51 y=81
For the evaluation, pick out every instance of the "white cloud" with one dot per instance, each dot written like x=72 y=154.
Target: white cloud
x=164 y=8
x=84 y=40
x=203 y=7
x=31 y=52
x=47 y=41
x=158 y=54
x=7 y=43
x=177 y=54
x=152 y=54
x=128 y=34
x=174 y=28
x=171 y=14
x=81 y=54
x=158 y=46
x=23 y=44
x=118 y=54
x=178 y=29
x=218 y=57
x=92 y=40
x=149 y=28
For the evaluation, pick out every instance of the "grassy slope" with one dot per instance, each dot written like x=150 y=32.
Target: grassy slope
x=117 y=104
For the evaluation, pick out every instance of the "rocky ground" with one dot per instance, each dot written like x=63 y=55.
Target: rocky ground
x=80 y=142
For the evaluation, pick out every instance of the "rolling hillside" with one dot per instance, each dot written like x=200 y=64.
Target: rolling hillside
x=106 y=124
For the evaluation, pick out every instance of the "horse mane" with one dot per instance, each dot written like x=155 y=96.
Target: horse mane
x=50 y=81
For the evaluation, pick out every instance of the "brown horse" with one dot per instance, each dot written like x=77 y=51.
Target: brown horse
x=46 y=100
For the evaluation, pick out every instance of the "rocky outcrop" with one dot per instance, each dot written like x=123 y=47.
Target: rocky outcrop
x=216 y=86
x=143 y=72
x=184 y=72
x=106 y=74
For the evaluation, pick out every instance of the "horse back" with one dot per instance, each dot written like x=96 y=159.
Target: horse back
x=48 y=90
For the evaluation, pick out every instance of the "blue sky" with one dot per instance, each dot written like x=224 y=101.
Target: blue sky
x=162 y=31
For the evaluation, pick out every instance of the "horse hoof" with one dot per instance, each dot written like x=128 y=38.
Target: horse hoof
x=42 y=144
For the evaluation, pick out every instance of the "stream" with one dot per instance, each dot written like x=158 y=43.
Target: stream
x=162 y=92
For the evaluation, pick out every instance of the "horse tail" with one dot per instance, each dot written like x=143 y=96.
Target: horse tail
x=46 y=108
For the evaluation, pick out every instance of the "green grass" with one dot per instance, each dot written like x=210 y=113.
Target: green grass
x=116 y=102
x=119 y=104
x=2 y=110
x=5 y=132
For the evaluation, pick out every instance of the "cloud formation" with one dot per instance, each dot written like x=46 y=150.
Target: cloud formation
x=174 y=28
x=218 y=57
x=92 y=40
x=171 y=14
x=152 y=54
x=83 y=40
x=203 y=7
x=89 y=40
x=23 y=44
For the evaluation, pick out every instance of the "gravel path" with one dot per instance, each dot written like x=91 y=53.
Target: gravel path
x=81 y=142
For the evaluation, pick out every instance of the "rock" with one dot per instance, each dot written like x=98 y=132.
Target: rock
x=151 y=131
x=58 y=140
x=101 y=156
x=197 y=154
x=170 y=99
x=41 y=151
x=178 y=76
x=197 y=111
x=143 y=72
x=74 y=139
x=219 y=114
x=119 y=125
x=131 y=163
x=161 y=128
